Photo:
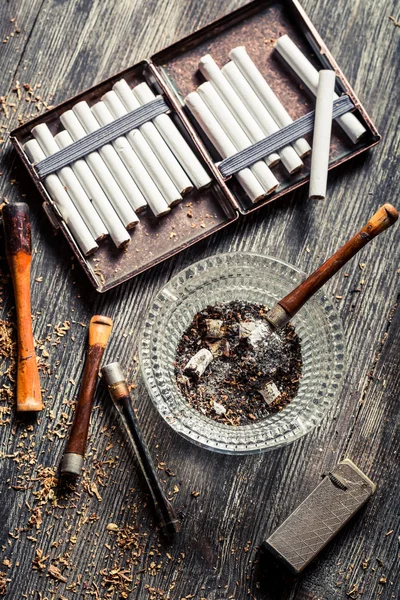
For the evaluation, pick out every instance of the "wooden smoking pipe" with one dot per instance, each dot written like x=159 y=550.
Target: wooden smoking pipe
x=17 y=233
x=99 y=332
x=284 y=310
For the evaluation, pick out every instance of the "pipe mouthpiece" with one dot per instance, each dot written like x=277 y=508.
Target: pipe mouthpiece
x=113 y=373
x=72 y=464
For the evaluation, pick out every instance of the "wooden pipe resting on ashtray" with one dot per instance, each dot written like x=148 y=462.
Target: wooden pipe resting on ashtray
x=99 y=332
x=17 y=232
x=284 y=310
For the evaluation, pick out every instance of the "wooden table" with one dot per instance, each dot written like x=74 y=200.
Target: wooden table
x=66 y=47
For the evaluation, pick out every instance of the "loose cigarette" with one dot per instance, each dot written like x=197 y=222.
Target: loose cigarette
x=223 y=144
x=198 y=363
x=120 y=105
x=309 y=76
x=133 y=154
x=209 y=68
x=322 y=135
x=290 y=159
x=96 y=163
x=236 y=134
x=175 y=140
x=155 y=140
x=111 y=158
x=117 y=231
x=272 y=104
x=63 y=202
x=75 y=191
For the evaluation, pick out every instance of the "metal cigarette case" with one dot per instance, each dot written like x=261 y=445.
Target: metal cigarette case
x=321 y=516
x=173 y=73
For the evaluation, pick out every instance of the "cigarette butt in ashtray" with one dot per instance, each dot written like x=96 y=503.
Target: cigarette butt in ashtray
x=285 y=309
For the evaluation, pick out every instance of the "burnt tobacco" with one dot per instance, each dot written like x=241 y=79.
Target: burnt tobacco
x=232 y=389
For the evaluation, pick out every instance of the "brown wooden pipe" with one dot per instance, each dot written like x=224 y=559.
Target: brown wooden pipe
x=99 y=332
x=17 y=232
x=384 y=218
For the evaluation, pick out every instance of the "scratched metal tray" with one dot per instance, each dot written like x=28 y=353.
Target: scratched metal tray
x=173 y=72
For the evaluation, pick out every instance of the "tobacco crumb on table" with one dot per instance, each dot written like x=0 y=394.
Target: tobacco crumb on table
x=229 y=390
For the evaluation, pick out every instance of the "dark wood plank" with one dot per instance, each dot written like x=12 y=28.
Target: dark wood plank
x=242 y=499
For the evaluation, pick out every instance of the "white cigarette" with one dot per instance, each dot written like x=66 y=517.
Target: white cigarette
x=236 y=134
x=101 y=172
x=290 y=159
x=68 y=178
x=277 y=111
x=198 y=363
x=223 y=144
x=175 y=140
x=209 y=68
x=117 y=231
x=125 y=152
x=63 y=202
x=133 y=159
x=155 y=140
x=119 y=106
x=322 y=135
x=111 y=158
x=309 y=76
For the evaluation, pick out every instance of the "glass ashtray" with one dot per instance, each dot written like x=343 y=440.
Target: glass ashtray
x=250 y=278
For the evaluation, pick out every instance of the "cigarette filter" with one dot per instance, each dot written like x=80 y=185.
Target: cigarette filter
x=212 y=73
x=309 y=76
x=147 y=156
x=68 y=178
x=63 y=202
x=271 y=102
x=175 y=140
x=322 y=135
x=117 y=231
x=236 y=134
x=102 y=173
x=321 y=516
x=223 y=144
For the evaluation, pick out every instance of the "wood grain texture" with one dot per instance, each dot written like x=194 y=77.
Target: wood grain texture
x=68 y=46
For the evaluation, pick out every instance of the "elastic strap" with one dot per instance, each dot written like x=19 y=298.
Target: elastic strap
x=95 y=140
x=279 y=139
